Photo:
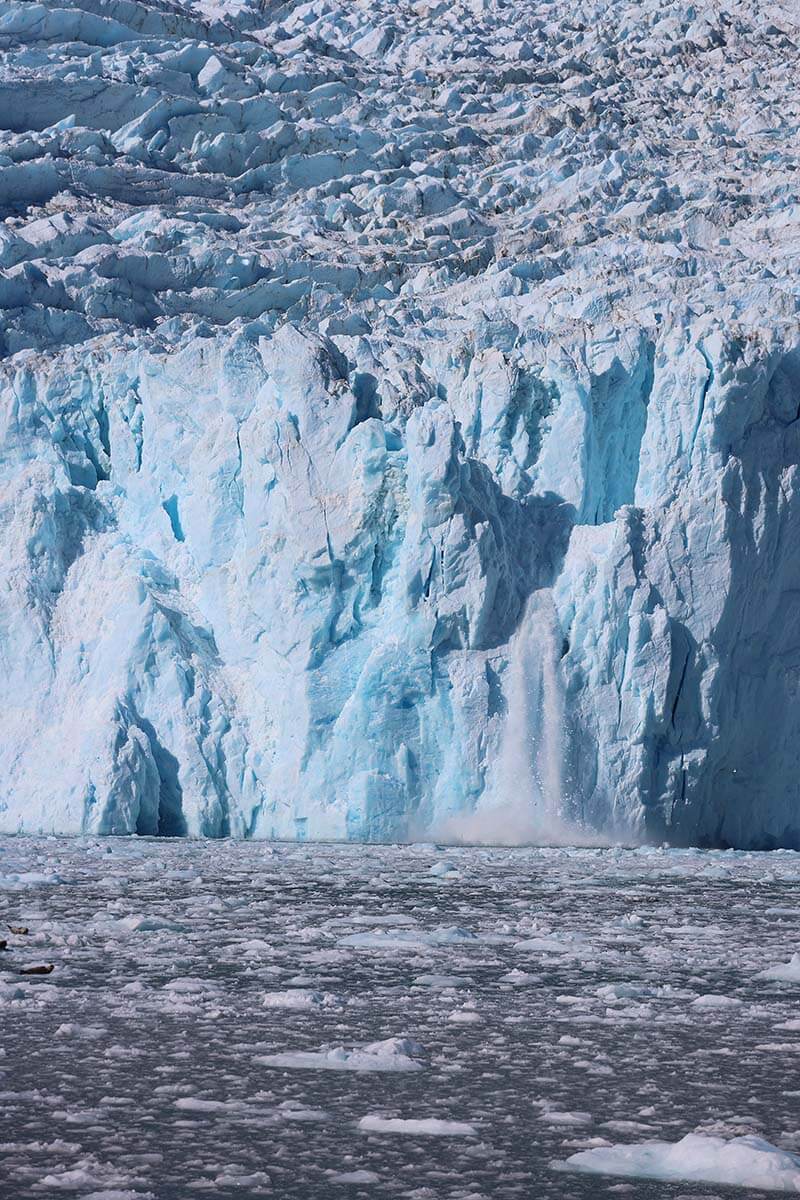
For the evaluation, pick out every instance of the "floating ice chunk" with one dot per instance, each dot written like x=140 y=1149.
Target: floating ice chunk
x=575 y=944
x=785 y=972
x=142 y=924
x=401 y=939
x=119 y=1194
x=360 y=1176
x=299 y=998
x=290 y=1110
x=73 y=1029
x=15 y=882
x=12 y=991
x=195 y=1104
x=254 y=948
x=743 y=1162
x=444 y=870
x=439 y=982
x=425 y=1127
x=567 y=1118
x=188 y=986
x=712 y=1001
x=612 y=992
x=391 y=919
x=463 y=1016
x=90 y=1175
x=519 y=978
x=394 y=1054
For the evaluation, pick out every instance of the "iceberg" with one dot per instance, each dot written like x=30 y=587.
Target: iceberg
x=399 y=422
x=748 y=1162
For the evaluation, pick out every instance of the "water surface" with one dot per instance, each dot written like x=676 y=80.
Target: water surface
x=550 y=998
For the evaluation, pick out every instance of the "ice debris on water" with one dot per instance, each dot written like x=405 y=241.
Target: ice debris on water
x=545 y=1053
x=399 y=426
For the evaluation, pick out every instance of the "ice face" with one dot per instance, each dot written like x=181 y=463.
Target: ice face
x=399 y=440
x=250 y=1019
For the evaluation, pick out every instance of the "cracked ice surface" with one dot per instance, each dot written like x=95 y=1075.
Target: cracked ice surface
x=399 y=419
x=552 y=1003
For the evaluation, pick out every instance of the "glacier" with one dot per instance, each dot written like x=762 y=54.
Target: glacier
x=400 y=420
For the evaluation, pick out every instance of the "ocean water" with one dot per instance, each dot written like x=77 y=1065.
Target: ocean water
x=237 y=1019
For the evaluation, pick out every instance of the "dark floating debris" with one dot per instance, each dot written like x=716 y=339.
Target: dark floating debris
x=19 y=930
x=3 y=944
x=40 y=970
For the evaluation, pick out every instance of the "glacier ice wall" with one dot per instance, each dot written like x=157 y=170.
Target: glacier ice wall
x=400 y=421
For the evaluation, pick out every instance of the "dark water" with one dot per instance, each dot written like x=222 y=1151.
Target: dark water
x=133 y=1069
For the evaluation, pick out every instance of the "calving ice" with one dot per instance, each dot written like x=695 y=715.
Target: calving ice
x=399 y=440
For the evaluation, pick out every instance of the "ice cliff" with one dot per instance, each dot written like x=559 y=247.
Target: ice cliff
x=400 y=424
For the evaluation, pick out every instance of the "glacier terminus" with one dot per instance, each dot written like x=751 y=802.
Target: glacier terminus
x=400 y=420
